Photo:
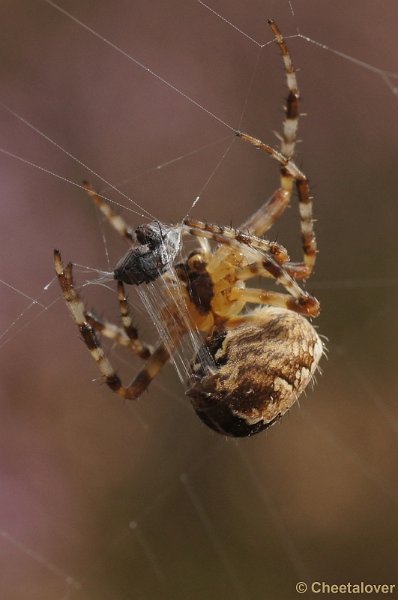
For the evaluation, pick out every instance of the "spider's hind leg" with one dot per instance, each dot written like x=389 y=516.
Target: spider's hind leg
x=77 y=309
x=119 y=335
x=142 y=349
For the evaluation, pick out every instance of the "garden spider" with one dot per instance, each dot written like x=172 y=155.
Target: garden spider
x=251 y=366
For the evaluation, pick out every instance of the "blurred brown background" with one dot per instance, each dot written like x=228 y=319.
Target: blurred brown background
x=142 y=501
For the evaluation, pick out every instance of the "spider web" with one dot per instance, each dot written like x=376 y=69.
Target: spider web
x=106 y=500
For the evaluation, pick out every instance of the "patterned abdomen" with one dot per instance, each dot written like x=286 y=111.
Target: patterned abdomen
x=259 y=368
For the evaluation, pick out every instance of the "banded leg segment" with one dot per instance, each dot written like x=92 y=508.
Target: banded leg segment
x=228 y=235
x=107 y=329
x=290 y=127
x=272 y=209
x=76 y=307
x=290 y=124
x=143 y=350
x=290 y=173
x=302 y=270
x=304 y=306
x=256 y=269
x=308 y=237
x=298 y=300
x=264 y=218
x=118 y=335
x=114 y=219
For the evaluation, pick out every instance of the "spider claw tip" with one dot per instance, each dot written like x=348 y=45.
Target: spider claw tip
x=57 y=256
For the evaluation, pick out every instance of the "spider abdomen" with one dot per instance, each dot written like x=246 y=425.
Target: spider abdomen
x=261 y=364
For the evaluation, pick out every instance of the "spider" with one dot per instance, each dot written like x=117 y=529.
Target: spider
x=251 y=366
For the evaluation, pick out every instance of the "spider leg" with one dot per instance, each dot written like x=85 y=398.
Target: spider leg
x=118 y=335
x=229 y=236
x=290 y=123
x=153 y=365
x=264 y=218
x=273 y=264
x=297 y=300
x=108 y=329
x=308 y=237
x=143 y=350
x=254 y=269
x=259 y=296
x=286 y=163
x=267 y=267
x=114 y=219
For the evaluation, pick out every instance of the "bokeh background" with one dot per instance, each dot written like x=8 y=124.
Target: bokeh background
x=100 y=499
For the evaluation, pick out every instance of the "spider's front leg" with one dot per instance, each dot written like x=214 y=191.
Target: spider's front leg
x=113 y=218
x=272 y=262
x=266 y=216
x=290 y=174
x=76 y=307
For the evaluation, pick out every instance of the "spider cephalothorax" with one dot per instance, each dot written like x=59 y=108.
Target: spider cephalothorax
x=251 y=366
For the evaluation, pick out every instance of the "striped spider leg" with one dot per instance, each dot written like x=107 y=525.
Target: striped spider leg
x=271 y=262
x=262 y=220
x=87 y=325
x=126 y=336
